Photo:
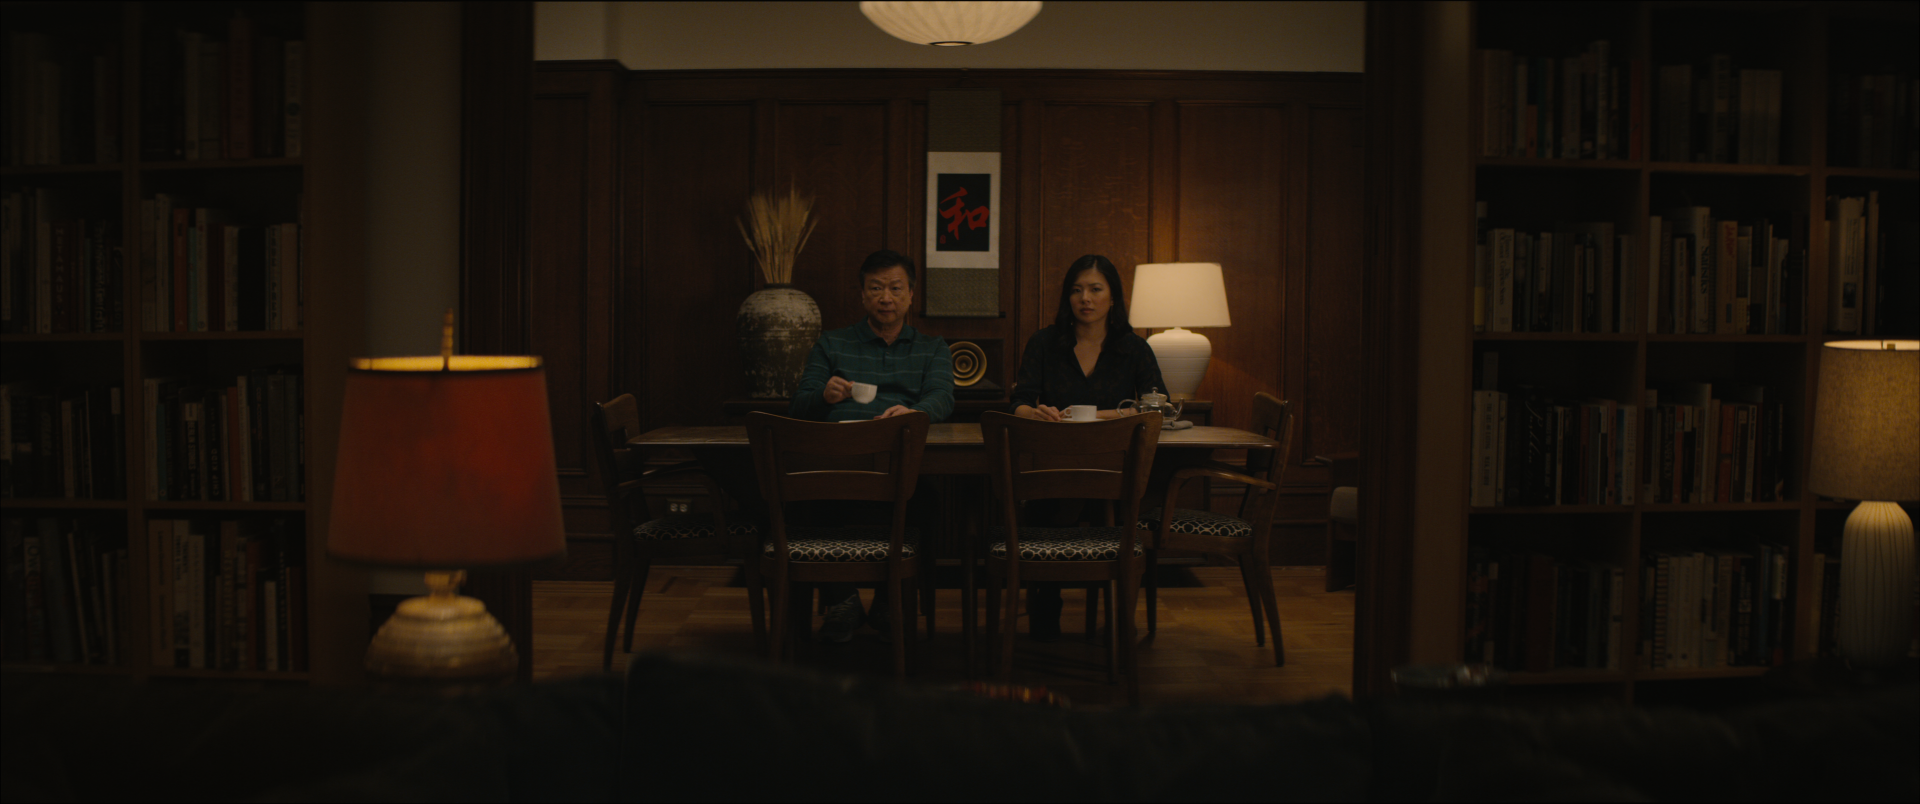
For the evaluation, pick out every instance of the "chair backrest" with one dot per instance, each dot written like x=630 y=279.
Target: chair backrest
x=799 y=460
x=1273 y=418
x=614 y=422
x=1036 y=460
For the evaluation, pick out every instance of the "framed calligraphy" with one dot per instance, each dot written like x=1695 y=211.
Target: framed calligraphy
x=963 y=233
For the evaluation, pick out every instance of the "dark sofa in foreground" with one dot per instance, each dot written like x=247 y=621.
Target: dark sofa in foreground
x=679 y=728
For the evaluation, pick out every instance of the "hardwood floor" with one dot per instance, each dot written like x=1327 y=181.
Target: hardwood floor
x=1204 y=651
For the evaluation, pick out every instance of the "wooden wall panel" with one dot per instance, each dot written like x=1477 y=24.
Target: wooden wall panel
x=1094 y=173
x=573 y=267
x=560 y=271
x=837 y=153
x=694 y=268
x=1232 y=210
x=1331 y=418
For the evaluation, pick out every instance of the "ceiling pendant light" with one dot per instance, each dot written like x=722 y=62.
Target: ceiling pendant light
x=949 y=24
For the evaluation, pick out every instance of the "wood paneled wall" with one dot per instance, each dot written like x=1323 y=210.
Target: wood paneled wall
x=636 y=269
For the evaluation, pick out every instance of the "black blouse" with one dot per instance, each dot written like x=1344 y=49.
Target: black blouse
x=1050 y=374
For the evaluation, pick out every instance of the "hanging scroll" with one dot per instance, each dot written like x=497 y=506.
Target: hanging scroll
x=963 y=203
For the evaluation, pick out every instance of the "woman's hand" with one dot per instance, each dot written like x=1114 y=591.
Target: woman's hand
x=1045 y=413
x=896 y=410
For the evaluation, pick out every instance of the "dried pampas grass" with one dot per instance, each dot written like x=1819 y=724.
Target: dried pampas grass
x=780 y=228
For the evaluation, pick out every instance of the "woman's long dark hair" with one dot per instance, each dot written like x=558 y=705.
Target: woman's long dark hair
x=1063 y=319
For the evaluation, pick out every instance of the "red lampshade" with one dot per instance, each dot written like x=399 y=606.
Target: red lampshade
x=446 y=468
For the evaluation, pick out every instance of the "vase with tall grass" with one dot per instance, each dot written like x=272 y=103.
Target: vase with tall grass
x=779 y=323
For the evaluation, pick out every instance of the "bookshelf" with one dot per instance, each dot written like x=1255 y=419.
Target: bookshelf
x=164 y=429
x=1603 y=535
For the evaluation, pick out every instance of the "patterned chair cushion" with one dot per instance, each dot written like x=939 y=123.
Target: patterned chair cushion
x=841 y=544
x=1201 y=523
x=691 y=526
x=1063 y=544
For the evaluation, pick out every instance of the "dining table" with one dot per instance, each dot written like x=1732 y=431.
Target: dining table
x=954 y=450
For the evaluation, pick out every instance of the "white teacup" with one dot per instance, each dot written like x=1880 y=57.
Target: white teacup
x=1082 y=413
x=864 y=392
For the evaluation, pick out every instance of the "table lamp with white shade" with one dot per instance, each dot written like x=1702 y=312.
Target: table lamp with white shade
x=1179 y=295
x=1866 y=446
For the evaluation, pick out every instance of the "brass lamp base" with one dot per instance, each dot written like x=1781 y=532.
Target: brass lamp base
x=442 y=637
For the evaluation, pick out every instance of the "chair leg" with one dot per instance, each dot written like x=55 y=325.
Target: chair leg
x=1114 y=637
x=925 y=587
x=621 y=587
x=639 y=588
x=1093 y=611
x=1153 y=588
x=992 y=595
x=1267 y=599
x=1252 y=584
x=757 y=603
x=968 y=632
x=1009 y=625
x=779 y=600
x=1129 y=656
x=897 y=626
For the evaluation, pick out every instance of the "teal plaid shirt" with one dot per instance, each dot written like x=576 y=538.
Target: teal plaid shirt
x=916 y=370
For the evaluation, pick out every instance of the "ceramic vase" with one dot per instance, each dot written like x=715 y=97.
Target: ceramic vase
x=778 y=325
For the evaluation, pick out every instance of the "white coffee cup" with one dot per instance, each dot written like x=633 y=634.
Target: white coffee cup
x=864 y=392
x=1082 y=413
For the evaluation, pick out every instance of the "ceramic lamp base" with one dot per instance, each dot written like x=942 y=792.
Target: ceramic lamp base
x=442 y=637
x=1183 y=356
x=1876 y=585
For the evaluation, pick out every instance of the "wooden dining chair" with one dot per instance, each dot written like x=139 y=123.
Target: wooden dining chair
x=1245 y=537
x=640 y=537
x=1034 y=460
x=876 y=461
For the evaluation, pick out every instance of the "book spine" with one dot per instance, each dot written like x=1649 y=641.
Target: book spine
x=62 y=620
x=181 y=286
x=33 y=570
x=296 y=79
x=182 y=588
x=197 y=603
x=160 y=592
x=1501 y=317
x=239 y=88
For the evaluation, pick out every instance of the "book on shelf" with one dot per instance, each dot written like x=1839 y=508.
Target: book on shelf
x=1584 y=105
x=230 y=594
x=1529 y=611
x=1872 y=121
x=1574 y=278
x=1532 y=448
x=1846 y=262
x=60 y=590
x=60 y=271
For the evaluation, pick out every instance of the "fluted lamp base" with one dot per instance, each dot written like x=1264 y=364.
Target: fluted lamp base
x=442 y=637
x=1183 y=355
x=1875 y=624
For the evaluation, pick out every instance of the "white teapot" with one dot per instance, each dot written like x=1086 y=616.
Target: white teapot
x=1149 y=402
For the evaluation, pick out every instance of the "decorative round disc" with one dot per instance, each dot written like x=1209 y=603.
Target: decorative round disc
x=969 y=363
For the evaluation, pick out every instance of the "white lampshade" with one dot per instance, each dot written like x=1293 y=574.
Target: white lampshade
x=1179 y=294
x=1866 y=446
x=949 y=24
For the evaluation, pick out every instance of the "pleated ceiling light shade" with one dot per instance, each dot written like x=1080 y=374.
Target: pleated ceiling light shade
x=949 y=24
x=1866 y=446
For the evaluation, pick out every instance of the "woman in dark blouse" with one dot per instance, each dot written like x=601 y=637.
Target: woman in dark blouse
x=1090 y=355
